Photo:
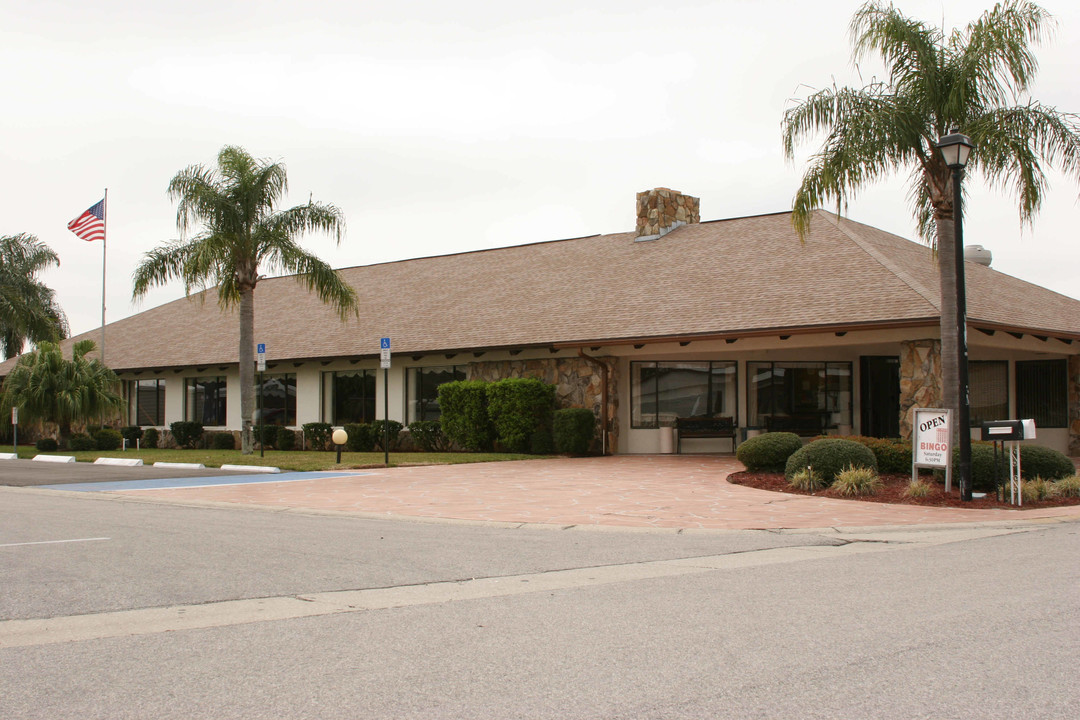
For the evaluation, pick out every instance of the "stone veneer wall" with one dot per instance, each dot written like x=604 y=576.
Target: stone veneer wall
x=1074 y=405
x=577 y=384
x=920 y=379
x=659 y=211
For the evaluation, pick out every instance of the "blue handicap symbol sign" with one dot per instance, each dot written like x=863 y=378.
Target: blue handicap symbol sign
x=262 y=348
x=384 y=343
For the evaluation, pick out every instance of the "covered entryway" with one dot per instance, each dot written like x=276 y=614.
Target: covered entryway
x=879 y=391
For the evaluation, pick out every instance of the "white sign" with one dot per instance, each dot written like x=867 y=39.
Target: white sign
x=931 y=438
x=14 y=415
x=261 y=351
x=384 y=352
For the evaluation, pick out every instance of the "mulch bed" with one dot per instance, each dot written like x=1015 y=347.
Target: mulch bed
x=893 y=492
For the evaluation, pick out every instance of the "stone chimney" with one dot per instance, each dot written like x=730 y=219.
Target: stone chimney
x=660 y=210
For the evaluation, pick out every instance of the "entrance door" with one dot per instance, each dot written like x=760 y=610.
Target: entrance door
x=879 y=390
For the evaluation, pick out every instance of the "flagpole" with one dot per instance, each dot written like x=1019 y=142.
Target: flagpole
x=104 y=238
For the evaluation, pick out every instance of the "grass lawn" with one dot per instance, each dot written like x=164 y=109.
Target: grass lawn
x=293 y=460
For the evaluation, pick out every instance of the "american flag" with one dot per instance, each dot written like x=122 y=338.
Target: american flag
x=90 y=225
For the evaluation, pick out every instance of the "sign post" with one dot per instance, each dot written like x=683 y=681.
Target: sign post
x=260 y=351
x=931 y=442
x=384 y=363
x=15 y=429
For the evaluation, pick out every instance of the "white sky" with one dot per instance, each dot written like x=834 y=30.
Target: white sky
x=449 y=126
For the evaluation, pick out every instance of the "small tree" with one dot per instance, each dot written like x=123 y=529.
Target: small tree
x=520 y=409
x=464 y=414
x=46 y=386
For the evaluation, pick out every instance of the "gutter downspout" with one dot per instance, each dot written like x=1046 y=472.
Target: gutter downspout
x=603 y=397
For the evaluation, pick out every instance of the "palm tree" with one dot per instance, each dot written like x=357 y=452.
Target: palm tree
x=46 y=386
x=936 y=83
x=242 y=230
x=28 y=309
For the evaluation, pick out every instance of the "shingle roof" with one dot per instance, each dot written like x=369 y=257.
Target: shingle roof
x=715 y=278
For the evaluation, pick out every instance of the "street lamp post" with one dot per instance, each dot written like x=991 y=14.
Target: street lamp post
x=955 y=149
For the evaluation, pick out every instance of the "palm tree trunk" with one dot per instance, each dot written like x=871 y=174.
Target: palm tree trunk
x=946 y=254
x=247 y=365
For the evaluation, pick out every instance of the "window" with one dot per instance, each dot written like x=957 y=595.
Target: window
x=1042 y=392
x=276 y=400
x=663 y=391
x=988 y=390
x=422 y=389
x=800 y=397
x=349 y=397
x=205 y=401
x=148 y=402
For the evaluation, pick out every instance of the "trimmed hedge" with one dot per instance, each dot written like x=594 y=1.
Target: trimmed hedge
x=829 y=457
x=893 y=455
x=223 y=441
x=284 y=439
x=360 y=439
x=80 y=442
x=150 y=438
x=768 y=452
x=428 y=436
x=379 y=430
x=464 y=420
x=47 y=445
x=133 y=434
x=108 y=439
x=317 y=435
x=573 y=430
x=186 y=434
x=1047 y=463
x=520 y=410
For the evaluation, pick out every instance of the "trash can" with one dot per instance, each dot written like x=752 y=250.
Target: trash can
x=667 y=440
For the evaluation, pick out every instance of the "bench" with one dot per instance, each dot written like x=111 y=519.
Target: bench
x=704 y=427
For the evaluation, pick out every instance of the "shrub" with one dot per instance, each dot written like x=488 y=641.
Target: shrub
x=465 y=419
x=317 y=435
x=133 y=434
x=285 y=439
x=150 y=438
x=1044 y=462
x=361 y=438
x=892 y=454
x=768 y=452
x=917 y=489
x=519 y=409
x=1068 y=487
x=80 y=442
x=186 y=434
x=428 y=436
x=807 y=479
x=573 y=430
x=108 y=439
x=829 y=457
x=223 y=441
x=47 y=445
x=265 y=435
x=379 y=430
x=855 y=481
x=1035 y=489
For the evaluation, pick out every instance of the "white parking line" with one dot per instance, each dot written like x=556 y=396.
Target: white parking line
x=53 y=542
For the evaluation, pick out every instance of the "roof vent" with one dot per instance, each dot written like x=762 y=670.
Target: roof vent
x=660 y=210
x=978 y=254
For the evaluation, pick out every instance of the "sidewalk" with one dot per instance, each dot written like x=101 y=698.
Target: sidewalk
x=659 y=491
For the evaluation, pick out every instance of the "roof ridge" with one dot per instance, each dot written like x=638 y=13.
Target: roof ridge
x=884 y=260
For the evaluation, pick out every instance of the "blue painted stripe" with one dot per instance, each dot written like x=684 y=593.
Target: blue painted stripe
x=189 y=482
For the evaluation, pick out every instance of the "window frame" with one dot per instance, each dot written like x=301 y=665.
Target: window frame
x=1036 y=408
x=221 y=391
x=136 y=395
x=329 y=404
x=833 y=390
x=637 y=421
x=260 y=404
x=418 y=409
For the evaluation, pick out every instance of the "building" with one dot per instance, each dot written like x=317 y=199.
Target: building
x=732 y=317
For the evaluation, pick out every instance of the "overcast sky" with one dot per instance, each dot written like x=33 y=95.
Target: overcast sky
x=443 y=127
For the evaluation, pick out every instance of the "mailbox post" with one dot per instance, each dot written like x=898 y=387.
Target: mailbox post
x=1007 y=434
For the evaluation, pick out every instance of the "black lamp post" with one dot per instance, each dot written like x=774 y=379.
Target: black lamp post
x=956 y=148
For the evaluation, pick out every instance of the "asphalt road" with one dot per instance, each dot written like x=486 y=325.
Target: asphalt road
x=129 y=609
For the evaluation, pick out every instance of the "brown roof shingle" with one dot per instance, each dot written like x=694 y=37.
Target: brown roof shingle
x=713 y=278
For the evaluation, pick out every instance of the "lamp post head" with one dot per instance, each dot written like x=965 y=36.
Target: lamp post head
x=956 y=149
